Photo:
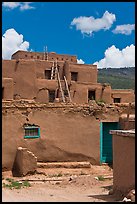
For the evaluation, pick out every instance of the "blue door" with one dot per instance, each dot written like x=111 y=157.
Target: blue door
x=106 y=151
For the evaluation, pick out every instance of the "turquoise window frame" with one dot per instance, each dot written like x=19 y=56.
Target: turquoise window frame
x=32 y=136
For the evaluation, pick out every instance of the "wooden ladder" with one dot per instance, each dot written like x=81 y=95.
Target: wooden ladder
x=53 y=71
x=55 y=75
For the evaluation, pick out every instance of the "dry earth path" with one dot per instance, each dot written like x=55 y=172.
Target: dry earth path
x=63 y=185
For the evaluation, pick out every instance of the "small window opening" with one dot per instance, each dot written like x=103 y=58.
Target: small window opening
x=51 y=96
x=91 y=95
x=32 y=132
x=47 y=74
x=31 y=56
x=37 y=57
x=117 y=100
x=25 y=55
x=74 y=76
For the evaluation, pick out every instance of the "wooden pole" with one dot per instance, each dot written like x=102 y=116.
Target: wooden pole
x=128 y=113
x=67 y=88
x=58 y=77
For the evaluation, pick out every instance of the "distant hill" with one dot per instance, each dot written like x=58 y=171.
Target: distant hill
x=118 y=78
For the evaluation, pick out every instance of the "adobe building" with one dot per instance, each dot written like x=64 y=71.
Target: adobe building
x=56 y=117
x=50 y=77
x=123 y=161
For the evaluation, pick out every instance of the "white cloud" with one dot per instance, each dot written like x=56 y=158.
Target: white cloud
x=88 y=25
x=80 y=61
x=116 y=58
x=124 y=29
x=21 y=5
x=12 y=42
x=10 y=5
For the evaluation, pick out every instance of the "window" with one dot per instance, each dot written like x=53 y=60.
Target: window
x=31 y=56
x=51 y=96
x=25 y=55
x=91 y=95
x=37 y=57
x=74 y=76
x=117 y=100
x=32 y=132
x=47 y=74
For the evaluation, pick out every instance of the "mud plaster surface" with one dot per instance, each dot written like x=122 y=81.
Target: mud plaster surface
x=77 y=185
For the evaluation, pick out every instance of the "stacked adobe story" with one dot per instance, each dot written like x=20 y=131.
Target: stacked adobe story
x=50 y=77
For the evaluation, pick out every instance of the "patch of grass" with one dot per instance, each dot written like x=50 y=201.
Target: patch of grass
x=101 y=178
x=26 y=184
x=9 y=179
x=100 y=102
x=15 y=184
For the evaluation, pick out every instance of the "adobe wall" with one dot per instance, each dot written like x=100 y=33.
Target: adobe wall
x=123 y=163
x=41 y=56
x=68 y=133
x=86 y=73
x=8 y=68
x=127 y=95
x=7 y=88
x=41 y=66
x=127 y=123
x=79 y=92
x=42 y=95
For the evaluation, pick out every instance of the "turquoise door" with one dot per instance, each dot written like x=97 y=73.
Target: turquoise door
x=106 y=151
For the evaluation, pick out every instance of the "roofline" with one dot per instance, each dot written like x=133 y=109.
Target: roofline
x=42 y=52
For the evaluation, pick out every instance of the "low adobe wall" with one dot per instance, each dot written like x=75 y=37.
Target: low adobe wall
x=67 y=132
x=123 y=161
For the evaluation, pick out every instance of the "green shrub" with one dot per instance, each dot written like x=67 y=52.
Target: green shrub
x=15 y=184
x=101 y=178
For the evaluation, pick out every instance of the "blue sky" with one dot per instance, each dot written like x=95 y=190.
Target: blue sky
x=50 y=24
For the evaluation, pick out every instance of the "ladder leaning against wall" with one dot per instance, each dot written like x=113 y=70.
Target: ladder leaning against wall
x=55 y=75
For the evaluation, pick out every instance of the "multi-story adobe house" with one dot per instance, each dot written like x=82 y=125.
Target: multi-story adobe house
x=49 y=77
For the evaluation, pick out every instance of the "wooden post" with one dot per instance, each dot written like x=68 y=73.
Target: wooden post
x=60 y=86
x=67 y=88
x=128 y=113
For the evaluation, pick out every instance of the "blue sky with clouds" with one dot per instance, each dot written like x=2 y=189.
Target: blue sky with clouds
x=97 y=32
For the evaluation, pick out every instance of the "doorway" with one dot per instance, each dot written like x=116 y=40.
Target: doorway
x=51 y=96
x=106 y=146
x=91 y=95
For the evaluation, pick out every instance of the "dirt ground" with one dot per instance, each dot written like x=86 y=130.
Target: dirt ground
x=63 y=185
